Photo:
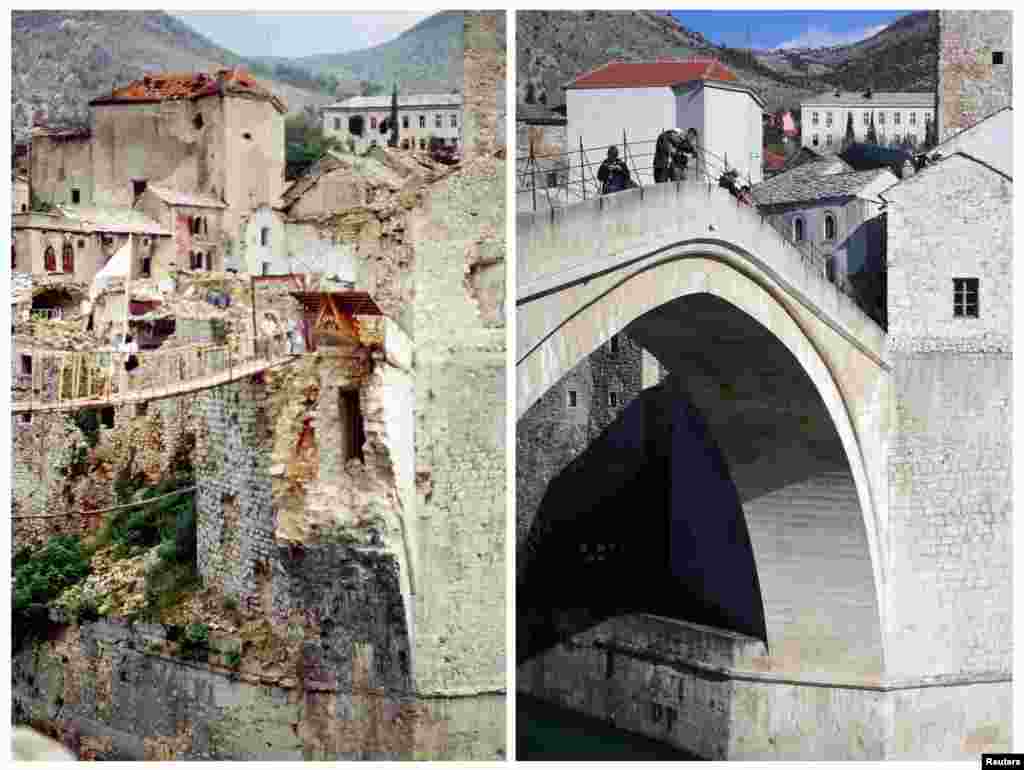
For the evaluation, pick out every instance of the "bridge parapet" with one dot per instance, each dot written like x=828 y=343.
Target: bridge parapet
x=562 y=247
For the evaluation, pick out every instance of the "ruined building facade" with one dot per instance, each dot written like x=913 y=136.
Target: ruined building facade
x=351 y=504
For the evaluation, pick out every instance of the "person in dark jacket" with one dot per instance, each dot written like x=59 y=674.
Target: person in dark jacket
x=613 y=173
x=670 y=155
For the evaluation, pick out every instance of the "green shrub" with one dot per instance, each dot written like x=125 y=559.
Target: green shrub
x=42 y=577
x=166 y=583
x=233 y=659
x=230 y=603
x=195 y=642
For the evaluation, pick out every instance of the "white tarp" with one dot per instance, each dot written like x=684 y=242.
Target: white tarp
x=117 y=267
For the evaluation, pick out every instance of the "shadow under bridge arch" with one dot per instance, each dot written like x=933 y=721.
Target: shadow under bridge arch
x=733 y=494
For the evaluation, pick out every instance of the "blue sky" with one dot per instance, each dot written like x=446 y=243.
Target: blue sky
x=299 y=34
x=786 y=29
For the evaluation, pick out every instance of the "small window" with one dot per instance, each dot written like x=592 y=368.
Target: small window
x=613 y=398
x=881 y=118
x=896 y=118
x=76 y=195
x=246 y=135
x=50 y=259
x=830 y=227
x=373 y=122
x=814 y=118
x=814 y=140
x=67 y=257
x=138 y=187
x=913 y=118
x=830 y=269
x=107 y=416
x=965 y=297
x=337 y=124
x=405 y=121
x=353 y=435
x=26 y=418
x=405 y=144
x=197 y=121
x=828 y=140
x=141 y=408
x=572 y=396
x=147 y=267
x=552 y=178
x=455 y=121
x=266 y=268
x=614 y=344
x=437 y=120
x=26 y=364
x=867 y=118
x=24 y=208
x=828 y=118
x=423 y=121
x=423 y=144
x=798 y=229
x=81 y=243
x=264 y=236
x=14 y=256
x=997 y=57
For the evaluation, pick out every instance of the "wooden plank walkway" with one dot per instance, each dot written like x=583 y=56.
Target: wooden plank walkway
x=231 y=374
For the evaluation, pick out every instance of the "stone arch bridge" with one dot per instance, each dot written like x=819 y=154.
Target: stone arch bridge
x=743 y=615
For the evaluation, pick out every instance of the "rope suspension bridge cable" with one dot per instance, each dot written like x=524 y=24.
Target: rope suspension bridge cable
x=114 y=508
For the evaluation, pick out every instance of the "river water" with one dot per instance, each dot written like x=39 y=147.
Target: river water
x=551 y=733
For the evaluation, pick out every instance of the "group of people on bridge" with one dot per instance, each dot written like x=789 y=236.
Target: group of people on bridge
x=672 y=152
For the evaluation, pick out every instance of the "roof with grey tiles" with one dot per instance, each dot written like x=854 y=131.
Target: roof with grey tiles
x=814 y=181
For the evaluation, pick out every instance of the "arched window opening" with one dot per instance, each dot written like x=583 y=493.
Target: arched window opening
x=830 y=269
x=14 y=256
x=373 y=122
x=68 y=257
x=830 y=227
x=50 y=259
x=798 y=229
x=264 y=236
x=355 y=125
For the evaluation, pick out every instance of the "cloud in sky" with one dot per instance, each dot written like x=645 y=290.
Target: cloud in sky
x=820 y=37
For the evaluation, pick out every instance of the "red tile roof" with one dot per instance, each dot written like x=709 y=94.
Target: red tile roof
x=664 y=72
x=165 y=86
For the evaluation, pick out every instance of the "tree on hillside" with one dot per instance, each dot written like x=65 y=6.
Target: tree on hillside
x=849 y=138
x=872 y=137
x=305 y=143
x=373 y=89
x=393 y=139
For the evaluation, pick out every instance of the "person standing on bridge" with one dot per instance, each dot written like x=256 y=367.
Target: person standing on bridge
x=130 y=348
x=670 y=155
x=613 y=173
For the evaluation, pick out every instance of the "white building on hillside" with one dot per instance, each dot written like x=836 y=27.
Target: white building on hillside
x=897 y=117
x=366 y=120
x=642 y=99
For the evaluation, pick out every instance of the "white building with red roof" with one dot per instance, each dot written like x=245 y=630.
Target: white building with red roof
x=642 y=99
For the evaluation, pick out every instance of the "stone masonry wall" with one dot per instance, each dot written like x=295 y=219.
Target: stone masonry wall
x=460 y=403
x=950 y=488
x=551 y=433
x=110 y=690
x=970 y=85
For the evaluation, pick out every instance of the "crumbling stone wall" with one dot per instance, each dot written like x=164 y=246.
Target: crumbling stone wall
x=112 y=690
x=970 y=85
x=950 y=488
x=56 y=474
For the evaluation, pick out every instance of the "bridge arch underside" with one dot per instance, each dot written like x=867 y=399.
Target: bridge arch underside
x=725 y=496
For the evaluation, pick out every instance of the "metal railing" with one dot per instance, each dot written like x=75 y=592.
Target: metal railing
x=67 y=378
x=571 y=177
